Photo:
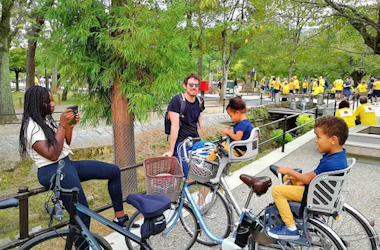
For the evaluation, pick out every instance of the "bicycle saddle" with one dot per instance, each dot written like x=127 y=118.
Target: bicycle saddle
x=150 y=205
x=259 y=185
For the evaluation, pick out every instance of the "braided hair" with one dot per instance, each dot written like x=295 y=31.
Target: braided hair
x=37 y=108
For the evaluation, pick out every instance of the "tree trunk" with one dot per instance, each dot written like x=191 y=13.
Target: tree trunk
x=224 y=69
x=30 y=64
x=6 y=101
x=124 y=138
x=31 y=53
x=64 y=94
x=54 y=78
x=17 y=74
x=357 y=76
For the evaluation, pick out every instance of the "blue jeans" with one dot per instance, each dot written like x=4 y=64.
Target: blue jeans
x=77 y=171
x=185 y=166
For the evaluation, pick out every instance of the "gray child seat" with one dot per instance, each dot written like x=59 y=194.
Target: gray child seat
x=325 y=191
x=252 y=144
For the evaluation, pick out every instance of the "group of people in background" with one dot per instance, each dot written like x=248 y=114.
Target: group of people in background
x=319 y=85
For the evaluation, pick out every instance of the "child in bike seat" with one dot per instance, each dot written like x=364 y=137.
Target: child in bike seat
x=331 y=133
x=236 y=109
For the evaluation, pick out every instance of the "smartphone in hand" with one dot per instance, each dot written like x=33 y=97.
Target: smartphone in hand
x=74 y=108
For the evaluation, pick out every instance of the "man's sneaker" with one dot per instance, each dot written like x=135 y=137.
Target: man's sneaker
x=283 y=233
x=206 y=213
x=123 y=221
x=209 y=215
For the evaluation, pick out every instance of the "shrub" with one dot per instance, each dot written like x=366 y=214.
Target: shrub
x=276 y=132
x=302 y=119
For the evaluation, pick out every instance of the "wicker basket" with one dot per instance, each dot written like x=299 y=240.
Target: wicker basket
x=201 y=171
x=163 y=175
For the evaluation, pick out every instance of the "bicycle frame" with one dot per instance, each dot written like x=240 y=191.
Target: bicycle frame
x=76 y=220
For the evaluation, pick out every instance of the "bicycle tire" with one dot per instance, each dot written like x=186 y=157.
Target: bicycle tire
x=182 y=236
x=322 y=238
x=57 y=240
x=361 y=234
x=215 y=212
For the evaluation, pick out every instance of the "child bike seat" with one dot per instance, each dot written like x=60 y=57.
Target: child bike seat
x=150 y=205
x=259 y=185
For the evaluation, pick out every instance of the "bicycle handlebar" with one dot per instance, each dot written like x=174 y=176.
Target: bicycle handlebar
x=188 y=142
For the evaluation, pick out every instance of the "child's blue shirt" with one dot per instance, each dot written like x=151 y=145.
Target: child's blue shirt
x=332 y=162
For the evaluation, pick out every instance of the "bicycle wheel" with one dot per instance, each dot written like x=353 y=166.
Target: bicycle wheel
x=182 y=236
x=352 y=227
x=214 y=209
x=57 y=239
x=322 y=238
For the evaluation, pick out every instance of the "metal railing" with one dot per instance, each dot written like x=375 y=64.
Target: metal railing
x=24 y=193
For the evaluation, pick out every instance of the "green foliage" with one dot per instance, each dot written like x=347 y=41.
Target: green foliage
x=302 y=119
x=210 y=138
x=138 y=46
x=276 y=132
x=17 y=60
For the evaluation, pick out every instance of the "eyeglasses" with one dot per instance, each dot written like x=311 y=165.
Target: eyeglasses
x=192 y=85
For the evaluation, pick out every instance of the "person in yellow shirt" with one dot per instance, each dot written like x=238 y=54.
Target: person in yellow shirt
x=271 y=84
x=365 y=112
x=376 y=91
x=296 y=84
x=285 y=87
x=318 y=90
x=347 y=114
x=277 y=85
x=315 y=85
x=263 y=85
x=291 y=85
x=362 y=88
x=338 y=84
x=321 y=81
x=305 y=85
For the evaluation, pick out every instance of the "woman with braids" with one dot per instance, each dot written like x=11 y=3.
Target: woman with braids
x=47 y=142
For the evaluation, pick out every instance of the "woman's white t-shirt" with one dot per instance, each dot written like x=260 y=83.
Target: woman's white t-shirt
x=35 y=133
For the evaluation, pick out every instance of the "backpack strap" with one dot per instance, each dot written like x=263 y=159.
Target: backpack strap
x=182 y=108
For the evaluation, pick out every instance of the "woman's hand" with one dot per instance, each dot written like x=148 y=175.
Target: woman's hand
x=66 y=117
x=77 y=118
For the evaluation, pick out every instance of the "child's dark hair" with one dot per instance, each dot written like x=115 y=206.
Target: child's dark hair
x=333 y=126
x=237 y=104
x=344 y=104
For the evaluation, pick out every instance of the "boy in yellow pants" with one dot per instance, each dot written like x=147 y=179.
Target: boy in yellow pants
x=331 y=133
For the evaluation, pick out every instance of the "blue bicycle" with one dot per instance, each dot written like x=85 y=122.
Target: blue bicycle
x=78 y=236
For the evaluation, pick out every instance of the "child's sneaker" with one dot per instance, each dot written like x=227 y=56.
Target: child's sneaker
x=123 y=221
x=283 y=233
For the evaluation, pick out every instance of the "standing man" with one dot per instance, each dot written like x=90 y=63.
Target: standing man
x=186 y=123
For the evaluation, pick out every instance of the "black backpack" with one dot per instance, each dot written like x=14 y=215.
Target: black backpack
x=168 y=124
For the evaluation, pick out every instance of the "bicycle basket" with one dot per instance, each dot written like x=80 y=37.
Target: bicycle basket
x=163 y=175
x=200 y=170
